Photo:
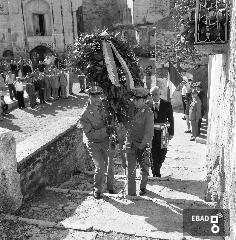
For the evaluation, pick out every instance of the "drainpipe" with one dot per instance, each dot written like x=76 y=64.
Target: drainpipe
x=25 y=36
x=63 y=30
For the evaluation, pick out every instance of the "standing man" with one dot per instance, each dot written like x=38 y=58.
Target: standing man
x=148 y=77
x=97 y=132
x=139 y=140
x=201 y=95
x=20 y=93
x=42 y=87
x=183 y=93
x=195 y=114
x=63 y=84
x=163 y=114
x=30 y=89
x=10 y=79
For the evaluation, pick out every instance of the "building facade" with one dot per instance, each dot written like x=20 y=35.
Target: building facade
x=147 y=14
x=39 y=27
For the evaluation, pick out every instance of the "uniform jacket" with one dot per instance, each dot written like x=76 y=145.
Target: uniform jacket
x=141 y=127
x=55 y=81
x=30 y=89
x=165 y=114
x=63 y=79
x=195 y=110
x=93 y=121
x=201 y=95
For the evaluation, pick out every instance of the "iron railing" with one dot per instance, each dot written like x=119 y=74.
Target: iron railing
x=211 y=22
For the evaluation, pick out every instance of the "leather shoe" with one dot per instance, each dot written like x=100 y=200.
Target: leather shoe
x=188 y=131
x=142 y=191
x=97 y=195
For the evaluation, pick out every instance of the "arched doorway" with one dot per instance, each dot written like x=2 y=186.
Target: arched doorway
x=8 y=54
x=38 y=54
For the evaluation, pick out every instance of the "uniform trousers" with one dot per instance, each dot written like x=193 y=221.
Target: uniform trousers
x=12 y=91
x=103 y=162
x=63 y=92
x=20 y=98
x=55 y=93
x=47 y=93
x=134 y=156
x=32 y=99
x=194 y=124
x=158 y=153
x=41 y=95
x=184 y=104
x=71 y=85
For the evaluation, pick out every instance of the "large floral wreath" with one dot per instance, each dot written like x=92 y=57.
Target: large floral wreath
x=110 y=63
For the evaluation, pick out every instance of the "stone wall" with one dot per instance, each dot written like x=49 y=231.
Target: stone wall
x=221 y=143
x=51 y=157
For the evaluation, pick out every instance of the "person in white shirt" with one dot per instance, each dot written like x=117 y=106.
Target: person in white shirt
x=20 y=93
x=10 y=79
x=184 y=92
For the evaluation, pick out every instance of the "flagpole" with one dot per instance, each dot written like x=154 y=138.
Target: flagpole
x=168 y=83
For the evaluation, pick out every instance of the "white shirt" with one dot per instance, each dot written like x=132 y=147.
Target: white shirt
x=10 y=78
x=154 y=105
x=19 y=86
x=184 y=90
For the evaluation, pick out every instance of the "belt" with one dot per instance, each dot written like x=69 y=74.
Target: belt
x=161 y=126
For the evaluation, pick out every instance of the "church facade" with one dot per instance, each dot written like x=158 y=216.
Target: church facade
x=41 y=27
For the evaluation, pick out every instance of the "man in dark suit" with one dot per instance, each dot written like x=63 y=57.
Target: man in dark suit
x=163 y=113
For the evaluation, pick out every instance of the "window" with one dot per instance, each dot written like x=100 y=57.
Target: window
x=39 y=24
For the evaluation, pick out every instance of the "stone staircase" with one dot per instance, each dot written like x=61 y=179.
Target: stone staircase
x=69 y=212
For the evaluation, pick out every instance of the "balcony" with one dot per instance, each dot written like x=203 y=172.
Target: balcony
x=35 y=41
x=212 y=25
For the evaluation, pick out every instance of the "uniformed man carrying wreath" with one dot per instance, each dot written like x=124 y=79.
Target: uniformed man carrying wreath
x=97 y=132
x=140 y=131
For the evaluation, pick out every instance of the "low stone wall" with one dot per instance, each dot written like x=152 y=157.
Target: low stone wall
x=51 y=156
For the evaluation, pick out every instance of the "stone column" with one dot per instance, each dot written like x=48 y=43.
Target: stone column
x=10 y=192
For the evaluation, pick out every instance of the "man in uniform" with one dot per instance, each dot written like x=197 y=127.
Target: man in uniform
x=163 y=113
x=97 y=132
x=30 y=89
x=139 y=139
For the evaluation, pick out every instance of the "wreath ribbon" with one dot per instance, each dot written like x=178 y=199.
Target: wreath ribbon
x=129 y=78
x=110 y=63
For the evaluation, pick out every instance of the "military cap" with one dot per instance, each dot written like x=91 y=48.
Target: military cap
x=94 y=90
x=140 y=92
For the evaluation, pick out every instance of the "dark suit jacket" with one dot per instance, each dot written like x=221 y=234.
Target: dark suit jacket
x=165 y=114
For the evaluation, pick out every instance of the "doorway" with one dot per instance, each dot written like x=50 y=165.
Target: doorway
x=38 y=54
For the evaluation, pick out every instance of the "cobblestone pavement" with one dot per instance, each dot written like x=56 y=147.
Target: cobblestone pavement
x=27 y=122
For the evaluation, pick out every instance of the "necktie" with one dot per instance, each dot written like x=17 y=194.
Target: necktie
x=156 y=109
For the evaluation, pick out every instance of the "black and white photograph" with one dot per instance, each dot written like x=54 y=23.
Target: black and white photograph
x=118 y=119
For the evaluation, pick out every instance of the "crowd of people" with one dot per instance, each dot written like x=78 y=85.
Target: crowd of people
x=45 y=83
x=193 y=103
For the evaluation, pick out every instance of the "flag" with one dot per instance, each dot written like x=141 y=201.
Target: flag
x=174 y=79
x=175 y=76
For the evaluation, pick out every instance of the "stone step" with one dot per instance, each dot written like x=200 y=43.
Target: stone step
x=55 y=210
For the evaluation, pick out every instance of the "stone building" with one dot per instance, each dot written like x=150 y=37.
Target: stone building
x=148 y=13
x=221 y=142
x=40 y=27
